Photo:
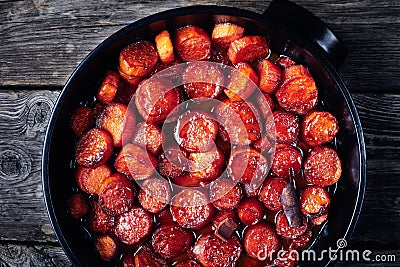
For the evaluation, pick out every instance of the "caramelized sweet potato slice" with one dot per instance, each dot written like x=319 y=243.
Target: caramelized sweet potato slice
x=164 y=47
x=224 y=34
x=82 y=120
x=270 y=76
x=106 y=246
x=90 y=180
x=248 y=48
x=78 y=205
x=242 y=82
x=94 y=148
x=192 y=43
x=109 y=87
x=138 y=59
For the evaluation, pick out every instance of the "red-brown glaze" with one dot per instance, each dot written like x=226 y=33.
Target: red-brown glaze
x=250 y=211
x=98 y=221
x=118 y=121
x=98 y=109
x=261 y=241
x=314 y=201
x=248 y=48
x=172 y=240
x=106 y=246
x=126 y=91
x=82 y=120
x=138 y=59
x=211 y=251
x=191 y=209
x=135 y=162
x=90 y=180
x=187 y=180
x=286 y=126
x=252 y=190
x=265 y=105
x=173 y=162
x=301 y=240
x=240 y=120
x=164 y=47
x=298 y=95
x=322 y=166
x=284 y=62
x=164 y=216
x=188 y=263
x=133 y=226
x=196 y=131
x=192 y=43
x=223 y=215
x=285 y=158
x=94 y=148
x=295 y=71
x=78 y=205
x=133 y=81
x=206 y=166
x=318 y=128
x=270 y=76
x=271 y=192
x=319 y=220
x=247 y=165
x=224 y=34
x=148 y=135
x=225 y=194
x=156 y=98
x=287 y=259
x=109 y=87
x=264 y=144
x=219 y=55
x=283 y=229
x=144 y=258
x=116 y=194
x=155 y=194
x=202 y=79
x=243 y=81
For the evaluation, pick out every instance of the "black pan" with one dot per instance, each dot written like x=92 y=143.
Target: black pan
x=293 y=31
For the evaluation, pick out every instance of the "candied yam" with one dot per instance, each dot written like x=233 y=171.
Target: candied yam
x=106 y=246
x=78 y=205
x=298 y=95
x=82 y=120
x=192 y=43
x=248 y=48
x=270 y=76
x=164 y=47
x=224 y=34
x=94 y=148
x=242 y=82
x=135 y=162
x=138 y=59
x=109 y=87
x=90 y=180
x=322 y=166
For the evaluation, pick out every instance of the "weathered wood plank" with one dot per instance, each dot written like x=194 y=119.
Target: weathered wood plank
x=23 y=119
x=32 y=255
x=43 y=41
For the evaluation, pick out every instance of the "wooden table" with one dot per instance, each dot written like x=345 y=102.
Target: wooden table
x=43 y=41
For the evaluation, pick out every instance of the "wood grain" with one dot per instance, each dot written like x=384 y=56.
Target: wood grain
x=24 y=116
x=43 y=41
x=32 y=255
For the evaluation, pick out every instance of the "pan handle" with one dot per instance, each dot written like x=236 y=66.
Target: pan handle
x=302 y=21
